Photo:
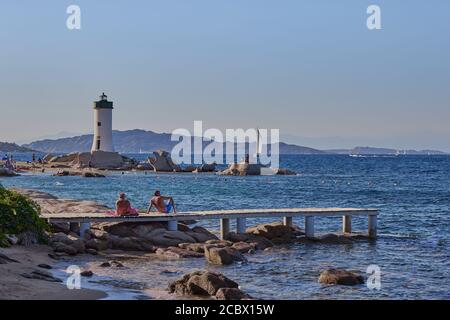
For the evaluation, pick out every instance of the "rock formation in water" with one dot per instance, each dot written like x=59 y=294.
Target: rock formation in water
x=162 y=162
x=207 y=284
x=253 y=169
x=5 y=172
x=340 y=276
x=95 y=159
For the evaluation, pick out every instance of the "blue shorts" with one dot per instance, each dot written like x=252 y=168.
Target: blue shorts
x=169 y=207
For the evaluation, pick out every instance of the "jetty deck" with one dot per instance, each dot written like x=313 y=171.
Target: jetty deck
x=83 y=220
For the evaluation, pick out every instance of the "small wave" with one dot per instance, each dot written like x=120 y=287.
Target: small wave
x=399 y=235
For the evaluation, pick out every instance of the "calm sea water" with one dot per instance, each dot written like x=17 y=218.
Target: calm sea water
x=412 y=192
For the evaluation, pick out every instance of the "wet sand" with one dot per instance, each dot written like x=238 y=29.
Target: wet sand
x=13 y=286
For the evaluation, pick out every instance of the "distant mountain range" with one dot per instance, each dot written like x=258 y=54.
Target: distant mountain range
x=12 y=147
x=135 y=141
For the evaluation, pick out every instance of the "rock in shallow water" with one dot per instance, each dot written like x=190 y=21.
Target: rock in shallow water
x=340 y=276
x=178 y=253
x=201 y=283
x=222 y=256
x=231 y=294
x=87 y=273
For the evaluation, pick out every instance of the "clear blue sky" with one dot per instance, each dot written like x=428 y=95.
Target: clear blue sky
x=310 y=68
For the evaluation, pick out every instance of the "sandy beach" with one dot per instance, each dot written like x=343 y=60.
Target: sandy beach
x=13 y=286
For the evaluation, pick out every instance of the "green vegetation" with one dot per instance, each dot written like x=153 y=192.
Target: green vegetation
x=19 y=214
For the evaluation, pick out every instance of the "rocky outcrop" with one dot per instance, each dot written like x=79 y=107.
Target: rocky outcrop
x=89 y=174
x=178 y=253
x=211 y=167
x=260 y=242
x=244 y=247
x=276 y=232
x=332 y=238
x=95 y=159
x=5 y=172
x=41 y=275
x=162 y=162
x=231 y=294
x=341 y=277
x=223 y=255
x=156 y=233
x=202 y=283
x=67 y=243
x=194 y=247
x=253 y=169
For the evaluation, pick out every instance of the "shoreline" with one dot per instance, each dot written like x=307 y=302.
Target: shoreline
x=14 y=286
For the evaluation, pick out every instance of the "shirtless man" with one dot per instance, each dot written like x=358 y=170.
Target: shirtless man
x=159 y=202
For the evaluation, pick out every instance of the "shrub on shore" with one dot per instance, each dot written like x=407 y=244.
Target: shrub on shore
x=19 y=214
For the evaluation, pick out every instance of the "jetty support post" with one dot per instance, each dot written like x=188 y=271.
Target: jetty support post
x=172 y=225
x=287 y=221
x=347 y=224
x=309 y=226
x=373 y=223
x=84 y=227
x=224 y=228
x=240 y=225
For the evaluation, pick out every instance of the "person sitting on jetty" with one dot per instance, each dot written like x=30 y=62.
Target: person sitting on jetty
x=123 y=207
x=162 y=203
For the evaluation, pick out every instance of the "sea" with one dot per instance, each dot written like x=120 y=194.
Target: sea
x=411 y=252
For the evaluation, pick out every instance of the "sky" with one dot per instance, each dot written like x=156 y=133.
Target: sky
x=309 y=68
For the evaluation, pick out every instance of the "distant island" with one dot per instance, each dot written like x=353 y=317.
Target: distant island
x=12 y=147
x=142 y=141
x=384 y=151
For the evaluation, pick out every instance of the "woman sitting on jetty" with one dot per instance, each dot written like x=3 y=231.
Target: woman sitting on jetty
x=123 y=207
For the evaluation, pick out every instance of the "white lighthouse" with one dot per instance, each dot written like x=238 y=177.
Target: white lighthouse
x=103 y=125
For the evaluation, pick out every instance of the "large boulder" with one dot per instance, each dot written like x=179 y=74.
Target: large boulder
x=201 y=283
x=244 y=247
x=106 y=160
x=200 y=234
x=162 y=162
x=231 y=294
x=97 y=244
x=260 y=242
x=170 y=238
x=273 y=230
x=131 y=244
x=332 y=238
x=340 y=276
x=64 y=158
x=222 y=256
x=178 y=253
x=195 y=247
x=5 y=172
x=253 y=169
x=211 y=167
x=61 y=243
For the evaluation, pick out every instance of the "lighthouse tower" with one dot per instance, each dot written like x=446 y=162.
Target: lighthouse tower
x=103 y=125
